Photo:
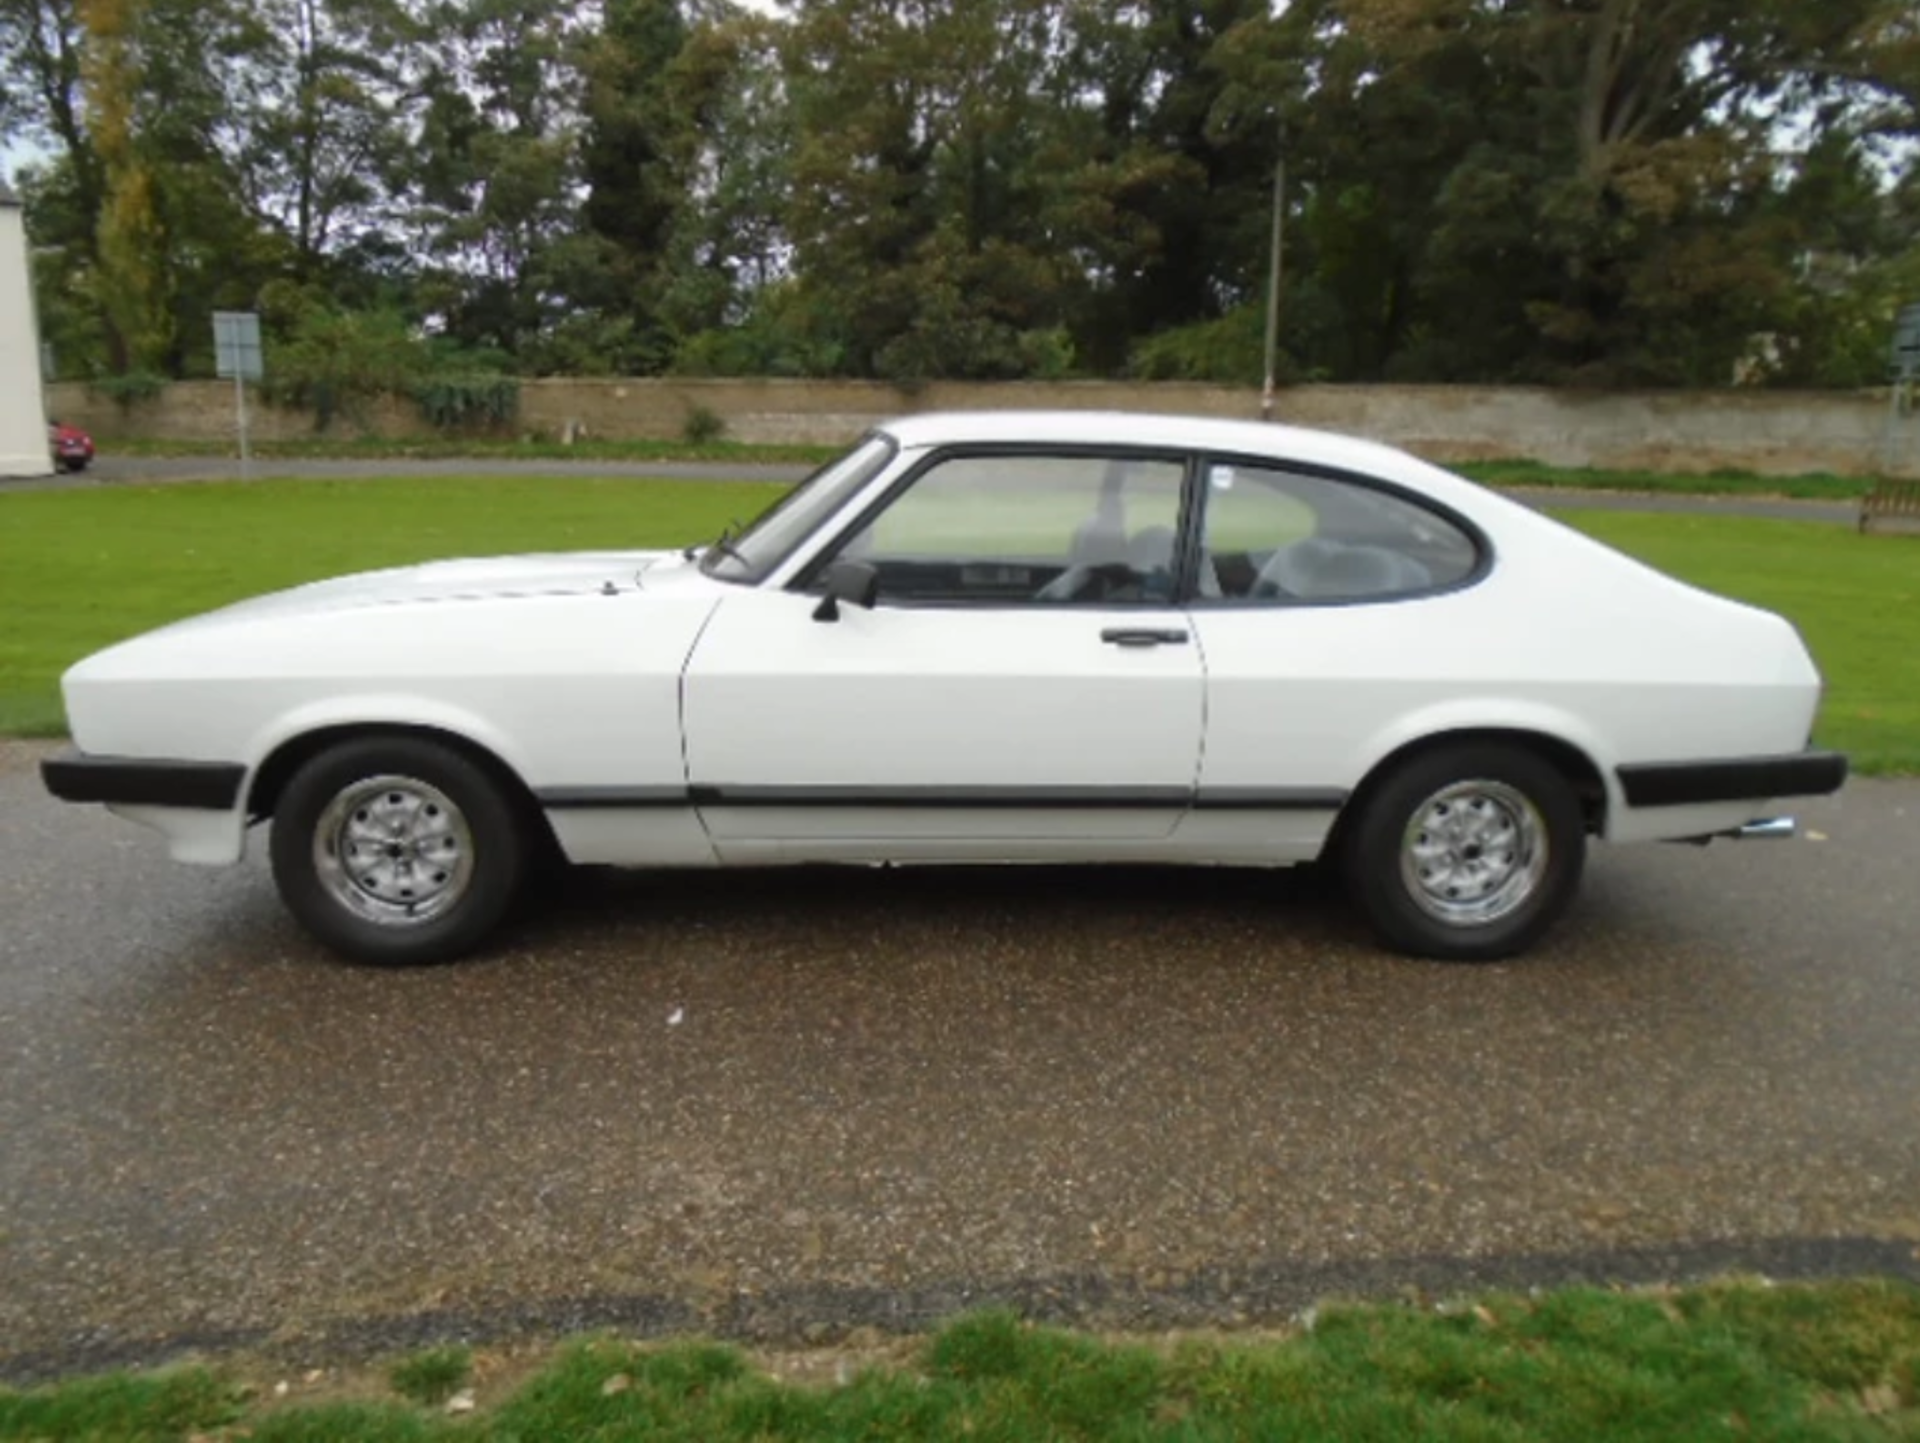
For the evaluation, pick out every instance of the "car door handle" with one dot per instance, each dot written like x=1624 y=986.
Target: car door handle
x=1143 y=636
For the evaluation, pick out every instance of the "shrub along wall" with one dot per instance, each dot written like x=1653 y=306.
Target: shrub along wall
x=1772 y=433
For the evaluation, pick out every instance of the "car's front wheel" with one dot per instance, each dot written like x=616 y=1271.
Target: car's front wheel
x=397 y=851
x=1466 y=853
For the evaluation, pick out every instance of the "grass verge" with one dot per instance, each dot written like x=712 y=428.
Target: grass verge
x=455 y=449
x=1534 y=475
x=1856 y=600
x=80 y=569
x=1836 y=1361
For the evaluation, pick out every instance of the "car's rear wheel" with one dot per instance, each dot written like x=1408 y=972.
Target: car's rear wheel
x=1466 y=853
x=397 y=851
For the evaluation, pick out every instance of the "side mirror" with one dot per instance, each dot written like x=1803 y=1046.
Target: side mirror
x=854 y=582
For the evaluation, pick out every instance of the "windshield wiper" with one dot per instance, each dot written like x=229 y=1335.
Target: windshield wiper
x=723 y=543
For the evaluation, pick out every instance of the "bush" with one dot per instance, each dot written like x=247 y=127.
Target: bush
x=336 y=361
x=703 y=426
x=1229 y=351
x=468 y=402
x=130 y=388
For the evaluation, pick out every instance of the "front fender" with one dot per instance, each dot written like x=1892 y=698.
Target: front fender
x=381 y=709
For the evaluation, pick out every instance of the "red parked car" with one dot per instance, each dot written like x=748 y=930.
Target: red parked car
x=72 y=447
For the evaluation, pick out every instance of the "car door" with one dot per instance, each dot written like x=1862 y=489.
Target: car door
x=1327 y=607
x=1024 y=685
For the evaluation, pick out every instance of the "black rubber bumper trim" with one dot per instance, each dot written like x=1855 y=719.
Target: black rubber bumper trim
x=1745 y=779
x=144 y=781
x=1251 y=799
x=582 y=799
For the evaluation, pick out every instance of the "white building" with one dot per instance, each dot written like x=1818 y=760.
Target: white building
x=23 y=407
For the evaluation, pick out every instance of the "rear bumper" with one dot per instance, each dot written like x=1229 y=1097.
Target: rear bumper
x=1742 y=779
x=144 y=781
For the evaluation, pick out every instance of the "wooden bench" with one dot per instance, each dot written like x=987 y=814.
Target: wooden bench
x=1891 y=506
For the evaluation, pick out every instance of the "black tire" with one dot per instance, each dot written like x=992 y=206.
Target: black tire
x=74 y=464
x=1522 y=823
x=393 y=900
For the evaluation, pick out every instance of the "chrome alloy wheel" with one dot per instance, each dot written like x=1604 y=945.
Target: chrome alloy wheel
x=1474 y=852
x=394 y=850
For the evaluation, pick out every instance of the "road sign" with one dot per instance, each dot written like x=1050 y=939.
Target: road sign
x=1906 y=341
x=236 y=353
x=236 y=346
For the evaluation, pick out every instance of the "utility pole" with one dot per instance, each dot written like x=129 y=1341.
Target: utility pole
x=240 y=411
x=1277 y=252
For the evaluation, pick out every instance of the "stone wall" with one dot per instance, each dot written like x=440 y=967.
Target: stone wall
x=204 y=411
x=1772 y=433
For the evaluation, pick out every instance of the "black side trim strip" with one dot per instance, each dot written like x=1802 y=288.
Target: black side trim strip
x=1680 y=784
x=1270 y=799
x=954 y=797
x=1267 y=799
x=143 y=781
x=563 y=799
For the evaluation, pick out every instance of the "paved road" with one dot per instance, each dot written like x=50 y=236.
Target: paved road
x=109 y=470
x=1136 y=1098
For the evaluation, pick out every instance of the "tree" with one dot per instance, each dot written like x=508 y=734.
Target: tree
x=41 y=99
x=1176 y=175
x=494 y=187
x=324 y=124
x=923 y=220
x=721 y=294
x=636 y=152
x=128 y=283
x=1601 y=192
x=41 y=45
x=1626 y=180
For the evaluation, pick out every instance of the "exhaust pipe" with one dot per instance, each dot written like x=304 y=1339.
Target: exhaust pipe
x=1771 y=829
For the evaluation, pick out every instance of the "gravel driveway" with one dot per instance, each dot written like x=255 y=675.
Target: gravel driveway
x=782 y=1105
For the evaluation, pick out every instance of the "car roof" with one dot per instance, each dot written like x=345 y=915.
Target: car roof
x=1134 y=428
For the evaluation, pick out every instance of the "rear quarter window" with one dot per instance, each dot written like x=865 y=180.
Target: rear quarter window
x=1272 y=534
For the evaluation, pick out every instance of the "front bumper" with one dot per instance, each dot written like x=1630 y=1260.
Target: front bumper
x=75 y=776
x=1741 y=779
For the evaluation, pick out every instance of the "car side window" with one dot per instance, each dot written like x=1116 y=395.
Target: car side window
x=1270 y=534
x=1028 y=529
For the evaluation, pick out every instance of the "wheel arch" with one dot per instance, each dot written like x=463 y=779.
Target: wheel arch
x=270 y=778
x=1571 y=761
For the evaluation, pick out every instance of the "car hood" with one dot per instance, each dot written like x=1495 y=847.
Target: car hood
x=478 y=579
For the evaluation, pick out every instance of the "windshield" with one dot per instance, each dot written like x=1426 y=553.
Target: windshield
x=771 y=537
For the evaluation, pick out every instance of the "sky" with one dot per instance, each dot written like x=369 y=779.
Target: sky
x=18 y=153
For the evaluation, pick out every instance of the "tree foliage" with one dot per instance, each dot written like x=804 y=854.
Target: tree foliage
x=1585 y=192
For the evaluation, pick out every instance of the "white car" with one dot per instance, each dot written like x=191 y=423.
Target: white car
x=997 y=637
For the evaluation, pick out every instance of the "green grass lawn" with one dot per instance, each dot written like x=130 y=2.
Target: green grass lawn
x=317 y=448
x=1816 y=487
x=1856 y=600
x=80 y=569
x=1836 y=1362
